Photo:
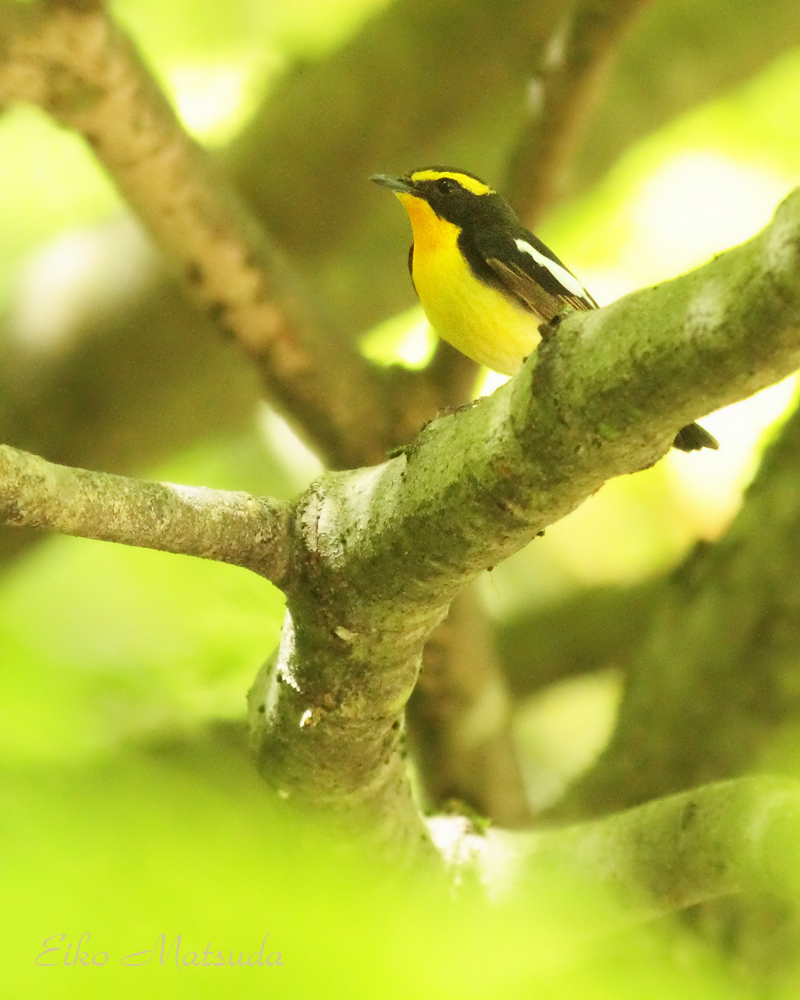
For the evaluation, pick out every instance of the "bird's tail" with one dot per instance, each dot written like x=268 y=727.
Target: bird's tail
x=693 y=437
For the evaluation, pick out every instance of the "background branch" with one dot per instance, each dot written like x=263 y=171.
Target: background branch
x=370 y=559
x=459 y=719
x=103 y=90
x=681 y=55
x=712 y=682
x=465 y=102
x=561 y=99
x=77 y=65
x=587 y=631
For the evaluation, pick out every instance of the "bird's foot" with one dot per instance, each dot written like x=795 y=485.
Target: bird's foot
x=548 y=330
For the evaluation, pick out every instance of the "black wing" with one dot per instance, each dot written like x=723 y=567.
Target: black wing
x=519 y=263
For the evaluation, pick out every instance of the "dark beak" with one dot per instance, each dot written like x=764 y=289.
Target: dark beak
x=394 y=183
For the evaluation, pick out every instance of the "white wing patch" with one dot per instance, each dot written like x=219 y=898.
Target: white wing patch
x=568 y=280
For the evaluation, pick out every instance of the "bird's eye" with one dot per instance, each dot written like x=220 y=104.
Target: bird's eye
x=445 y=185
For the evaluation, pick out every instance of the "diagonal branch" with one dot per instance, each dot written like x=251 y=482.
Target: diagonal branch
x=212 y=524
x=561 y=99
x=602 y=398
x=473 y=121
x=75 y=63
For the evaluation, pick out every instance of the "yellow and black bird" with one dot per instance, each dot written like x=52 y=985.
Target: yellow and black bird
x=486 y=283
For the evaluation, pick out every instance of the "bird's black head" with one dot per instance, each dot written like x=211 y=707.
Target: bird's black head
x=453 y=194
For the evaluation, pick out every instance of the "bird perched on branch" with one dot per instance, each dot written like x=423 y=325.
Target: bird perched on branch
x=486 y=283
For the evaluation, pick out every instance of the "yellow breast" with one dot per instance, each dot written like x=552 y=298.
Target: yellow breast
x=482 y=322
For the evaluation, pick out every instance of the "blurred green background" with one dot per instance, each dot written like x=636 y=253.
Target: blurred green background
x=128 y=806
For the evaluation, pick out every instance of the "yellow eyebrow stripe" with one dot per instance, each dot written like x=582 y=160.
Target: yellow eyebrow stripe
x=475 y=186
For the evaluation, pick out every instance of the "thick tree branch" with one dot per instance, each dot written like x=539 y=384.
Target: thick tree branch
x=561 y=99
x=382 y=552
x=101 y=89
x=462 y=681
x=601 y=399
x=358 y=237
x=213 y=524
x=377 y=570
